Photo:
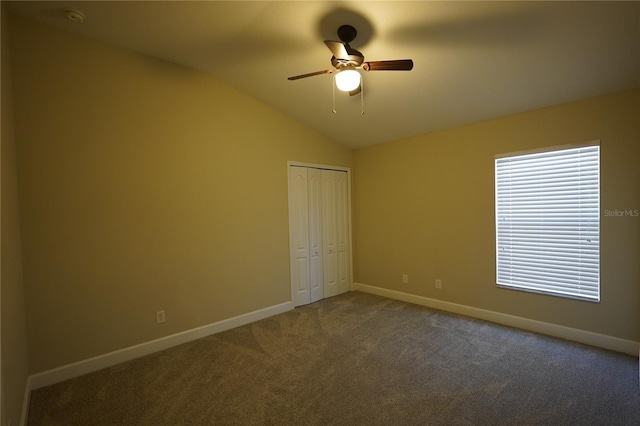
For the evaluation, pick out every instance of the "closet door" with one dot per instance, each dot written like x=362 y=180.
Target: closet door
x=342 y=231
x=299 y=235
x=314 y=178
x=319 y=233
x=330 y=233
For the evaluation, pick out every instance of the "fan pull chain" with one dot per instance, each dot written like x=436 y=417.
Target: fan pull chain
x=333 y=85
x=362 y=96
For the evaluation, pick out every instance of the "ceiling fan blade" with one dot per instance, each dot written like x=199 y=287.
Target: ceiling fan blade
x=337 y=48
x=311 y=74
x=355 y=91
x=396 y=65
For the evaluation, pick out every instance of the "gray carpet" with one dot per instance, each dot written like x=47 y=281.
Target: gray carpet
x=356 y=359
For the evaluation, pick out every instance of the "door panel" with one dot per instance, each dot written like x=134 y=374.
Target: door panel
x=315 y=234
x=329 y=233
x=342 y=230
x=299 y=238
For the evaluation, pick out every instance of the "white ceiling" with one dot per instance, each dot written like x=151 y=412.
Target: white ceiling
x=472 y=60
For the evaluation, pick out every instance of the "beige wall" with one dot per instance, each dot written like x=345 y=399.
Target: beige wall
x=14 y=334
x=424 y=206
x=144 y=186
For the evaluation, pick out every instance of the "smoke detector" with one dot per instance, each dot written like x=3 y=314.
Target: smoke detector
x=74 y=15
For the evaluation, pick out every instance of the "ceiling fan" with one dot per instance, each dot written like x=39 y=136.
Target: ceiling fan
x=346 y=60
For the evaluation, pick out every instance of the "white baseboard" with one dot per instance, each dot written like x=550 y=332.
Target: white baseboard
x=79 y=368
x=594 y=339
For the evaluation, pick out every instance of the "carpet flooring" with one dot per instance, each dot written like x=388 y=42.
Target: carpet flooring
x=356 y=359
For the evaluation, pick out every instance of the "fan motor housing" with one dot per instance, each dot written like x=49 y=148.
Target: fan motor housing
x=351 y=61
x=347 y=33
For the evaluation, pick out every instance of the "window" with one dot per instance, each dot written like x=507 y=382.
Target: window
x=548 y=222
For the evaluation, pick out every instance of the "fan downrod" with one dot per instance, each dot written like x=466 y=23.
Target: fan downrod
x=347 y=33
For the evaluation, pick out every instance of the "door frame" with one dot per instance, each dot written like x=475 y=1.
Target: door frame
x=349 y=221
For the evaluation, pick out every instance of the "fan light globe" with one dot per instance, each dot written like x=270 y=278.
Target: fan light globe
x=348 y=80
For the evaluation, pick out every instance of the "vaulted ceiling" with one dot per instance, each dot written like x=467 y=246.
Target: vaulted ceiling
x=472 y=60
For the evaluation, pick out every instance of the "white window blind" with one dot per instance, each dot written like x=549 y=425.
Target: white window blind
x=548 y=222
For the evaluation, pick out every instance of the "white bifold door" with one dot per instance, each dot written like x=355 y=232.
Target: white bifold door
x=319 y=233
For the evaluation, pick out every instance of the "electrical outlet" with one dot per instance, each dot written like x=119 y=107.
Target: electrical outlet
x=405 y=279
x=160 y=317
x=439 y=284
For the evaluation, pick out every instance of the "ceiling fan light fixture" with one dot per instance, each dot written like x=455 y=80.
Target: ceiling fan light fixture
x=347 y=80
